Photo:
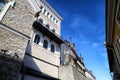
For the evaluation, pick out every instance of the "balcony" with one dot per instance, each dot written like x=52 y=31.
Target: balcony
x=42 y=28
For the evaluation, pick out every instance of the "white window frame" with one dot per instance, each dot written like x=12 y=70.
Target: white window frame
x=5 y=8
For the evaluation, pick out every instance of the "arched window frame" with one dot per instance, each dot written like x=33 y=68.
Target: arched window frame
x=53 y=30
x=47 y=26
x=37 y=38
x=41 y=20
x=45 y=44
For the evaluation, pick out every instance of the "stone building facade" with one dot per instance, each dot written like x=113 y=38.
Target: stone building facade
x=30 y=44
x=113 y=37
x=72 y=66
x=15 y=27
x=42 y=59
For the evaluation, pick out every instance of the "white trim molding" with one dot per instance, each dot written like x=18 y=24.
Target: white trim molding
x=6 y=7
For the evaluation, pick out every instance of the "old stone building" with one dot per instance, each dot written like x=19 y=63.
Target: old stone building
x=113 y=36
x=89 y=75
x=72 y=66
x=30 y=44
x=15 y=28
x=42 y=59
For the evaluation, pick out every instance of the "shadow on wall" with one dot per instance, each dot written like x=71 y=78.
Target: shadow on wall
x=30 y=69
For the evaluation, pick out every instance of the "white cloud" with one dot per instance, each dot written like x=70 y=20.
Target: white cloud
x=95 y=45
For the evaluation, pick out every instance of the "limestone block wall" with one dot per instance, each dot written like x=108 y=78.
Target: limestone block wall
x=15 y=30
x=43 y=60
x=66 y=73
x=41 y=66
x=12 y=50
x=70 y=73
x=20 y=17
x=78 y=75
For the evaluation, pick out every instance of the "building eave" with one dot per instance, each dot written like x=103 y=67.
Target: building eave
x=109 y=29
x=111 y=6
x=53 y=36
x=109 y=21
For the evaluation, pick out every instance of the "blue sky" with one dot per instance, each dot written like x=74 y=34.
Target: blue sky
x=84 y=21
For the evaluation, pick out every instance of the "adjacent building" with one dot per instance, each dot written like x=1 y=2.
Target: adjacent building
x=113 y=36
x=89 y=75
x=72 y=66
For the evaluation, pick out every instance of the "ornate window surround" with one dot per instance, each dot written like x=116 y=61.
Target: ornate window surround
x=6 y=7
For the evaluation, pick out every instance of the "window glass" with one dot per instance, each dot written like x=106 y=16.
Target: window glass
x=2 y=3
x=47 y=26
x=52 y=48
x=48 y=14
x=45 y=44
x=37 y=39
x=41 y=20
x=53 y=30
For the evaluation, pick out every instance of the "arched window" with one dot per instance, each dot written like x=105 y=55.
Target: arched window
x=37 y=39
x=47 y=26
x=41 y=20
x=52 y=48
x=53 y=30
x=45 y=44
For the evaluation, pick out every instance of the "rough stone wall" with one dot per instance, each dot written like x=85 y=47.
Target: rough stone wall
x=10 y=61
x=9 y=69
x=13 y=46
x=66 y=73
x=70 y=73
x=20 y=17
x=13 y=43
x=78 y=75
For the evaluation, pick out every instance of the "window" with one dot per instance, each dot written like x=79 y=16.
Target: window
x=52 y=48
x=41 y=21
x=2 y=3
x=48 y=14
x=4 y=6
x=45 y=44
x=47 y=26
x=44 y=11
x=56 y=21
x=53 y=19
x=37 y=39
x=53 y=30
